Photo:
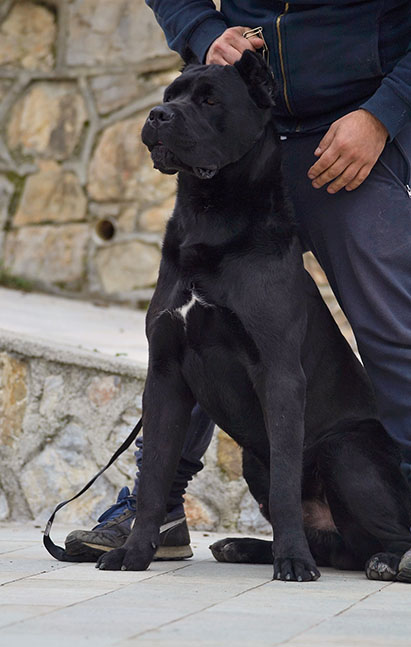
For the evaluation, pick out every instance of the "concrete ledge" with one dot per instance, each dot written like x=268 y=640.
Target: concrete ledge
x=66 y=354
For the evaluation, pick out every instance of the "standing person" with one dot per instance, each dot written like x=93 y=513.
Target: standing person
x=343 y=71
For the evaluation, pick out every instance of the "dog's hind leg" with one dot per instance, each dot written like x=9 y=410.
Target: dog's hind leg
x=243 y=550
x=328 y=549
x=368 y=496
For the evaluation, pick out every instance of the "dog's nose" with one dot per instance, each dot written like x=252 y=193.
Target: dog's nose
x=161 y=113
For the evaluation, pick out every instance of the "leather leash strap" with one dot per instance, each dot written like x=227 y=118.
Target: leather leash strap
x=57 y=551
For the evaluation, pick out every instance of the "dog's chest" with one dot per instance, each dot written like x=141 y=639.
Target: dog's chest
x=194 y=301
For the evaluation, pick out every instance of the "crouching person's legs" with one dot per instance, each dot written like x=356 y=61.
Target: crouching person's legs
x=115 y=523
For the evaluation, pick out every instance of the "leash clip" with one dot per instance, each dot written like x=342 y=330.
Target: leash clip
x=258 y=32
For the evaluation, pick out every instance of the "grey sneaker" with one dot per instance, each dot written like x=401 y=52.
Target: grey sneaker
x=404 y=568
x=115 y=526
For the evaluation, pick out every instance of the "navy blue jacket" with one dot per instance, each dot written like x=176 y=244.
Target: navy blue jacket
x=329 y=57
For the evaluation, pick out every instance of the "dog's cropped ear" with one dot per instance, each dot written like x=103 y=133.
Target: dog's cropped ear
x=189 y=58
x=259 y=78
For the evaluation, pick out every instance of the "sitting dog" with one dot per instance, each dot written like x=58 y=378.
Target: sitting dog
x=237 y=325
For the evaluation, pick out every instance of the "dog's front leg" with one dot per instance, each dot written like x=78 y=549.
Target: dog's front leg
x=167 y=405
x=283 y=406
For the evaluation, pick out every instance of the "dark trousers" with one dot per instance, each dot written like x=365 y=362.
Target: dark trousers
x=362 y=239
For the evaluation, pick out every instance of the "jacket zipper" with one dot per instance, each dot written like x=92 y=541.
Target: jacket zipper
x=280 y=50
x=405 y=185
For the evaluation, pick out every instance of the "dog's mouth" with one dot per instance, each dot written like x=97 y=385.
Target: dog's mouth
x=164 y=160
x=204 y=173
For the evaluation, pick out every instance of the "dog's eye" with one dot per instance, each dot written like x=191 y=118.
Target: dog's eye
x=210 y=102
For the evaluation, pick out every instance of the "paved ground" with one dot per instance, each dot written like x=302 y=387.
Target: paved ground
x=44 y=603
x=113 y=330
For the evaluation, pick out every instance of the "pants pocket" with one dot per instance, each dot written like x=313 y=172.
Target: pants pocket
x=396 y=161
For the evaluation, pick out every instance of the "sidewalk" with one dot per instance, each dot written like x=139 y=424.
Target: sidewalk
x=44 y=603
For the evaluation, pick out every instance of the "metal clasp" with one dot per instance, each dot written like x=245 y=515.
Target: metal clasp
x=258 y=31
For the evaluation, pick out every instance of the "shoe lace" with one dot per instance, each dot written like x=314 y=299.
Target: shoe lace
x=125 y=501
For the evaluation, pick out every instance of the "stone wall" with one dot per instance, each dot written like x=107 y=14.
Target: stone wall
x=64 y=411
x=81 y=209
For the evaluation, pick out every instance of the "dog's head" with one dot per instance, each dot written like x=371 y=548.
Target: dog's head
x=211 y=116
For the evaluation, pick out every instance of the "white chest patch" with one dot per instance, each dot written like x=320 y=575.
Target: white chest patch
x=185 y=309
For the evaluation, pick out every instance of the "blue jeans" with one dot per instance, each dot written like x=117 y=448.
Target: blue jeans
x=362 y=239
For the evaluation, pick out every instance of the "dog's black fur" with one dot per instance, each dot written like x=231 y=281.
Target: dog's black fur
x=256 y=348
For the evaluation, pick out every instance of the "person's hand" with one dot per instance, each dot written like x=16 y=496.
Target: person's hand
x=348 y=151
x=228 y=48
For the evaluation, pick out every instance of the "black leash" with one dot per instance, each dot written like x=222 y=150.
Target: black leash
x=57 y=551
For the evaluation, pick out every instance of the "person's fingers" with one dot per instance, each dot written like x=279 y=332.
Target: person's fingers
x=345 y=178
x=327 y=159
x=333 y=171
x=243 y=43
x=229 y=47
x=362 y=175
x=325 y=142
x=224 y=55
x=257 y=43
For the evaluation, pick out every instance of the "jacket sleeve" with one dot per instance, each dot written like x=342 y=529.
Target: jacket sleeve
x=391 y=103
x=192 y=23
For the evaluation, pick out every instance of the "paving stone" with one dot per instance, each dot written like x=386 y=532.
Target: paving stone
x=14 y=613
x=361 y=627
x=198 y=601
x=44 y=592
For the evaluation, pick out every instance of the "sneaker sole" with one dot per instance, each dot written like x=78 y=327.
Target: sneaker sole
x=170 y=553
x=404 y=570
x=93 y=551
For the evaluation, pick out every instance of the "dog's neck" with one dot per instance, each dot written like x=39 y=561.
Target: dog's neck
x=246 y=194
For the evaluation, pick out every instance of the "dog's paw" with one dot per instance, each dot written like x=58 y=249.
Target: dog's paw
x=382 y=566
x=224 y=550
x=122 y=559
x=243 y=550
x=294 y=569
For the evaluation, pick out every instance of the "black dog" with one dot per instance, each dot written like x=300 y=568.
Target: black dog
x=237 y=325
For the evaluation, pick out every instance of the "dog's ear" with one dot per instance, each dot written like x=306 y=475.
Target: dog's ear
x=258 y=77
x=189 y=58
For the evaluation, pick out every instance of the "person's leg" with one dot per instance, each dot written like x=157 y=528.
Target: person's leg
x=362 y=239
x=115 y=523
x=196 y=443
